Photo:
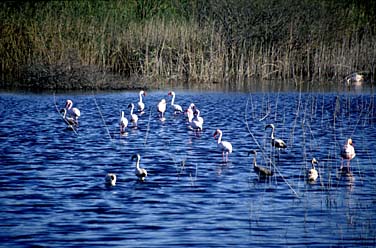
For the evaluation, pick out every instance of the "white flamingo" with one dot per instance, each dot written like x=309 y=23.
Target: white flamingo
x=123 y=122
x=110 y=179
x=355 y=78
x=161 y=107
x=141 y=105
x=197 y=121
x=278 y=143
x=224 y=146
x=141 y=173
x=189 y=112
x=261 y=171
x=177 y=108
x=70 y=115
x=133 y=117
x=348 y=153
x=312 y=173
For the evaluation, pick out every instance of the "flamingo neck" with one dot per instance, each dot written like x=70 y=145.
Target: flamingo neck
x=68 y=106
x=173 y=98
x=198 y=115
x=189 y=115
x=140 y=96
x=272 y=135
x=122 y=114
x=132 y=107
x=254 y=161
x=219 y=137
x=138 y=163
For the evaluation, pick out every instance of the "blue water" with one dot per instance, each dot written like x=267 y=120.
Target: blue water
x=53 y=191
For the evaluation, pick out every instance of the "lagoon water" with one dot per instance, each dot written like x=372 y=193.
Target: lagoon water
x=53 y=192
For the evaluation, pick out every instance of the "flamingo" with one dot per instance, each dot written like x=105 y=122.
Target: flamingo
x=197 y=121
x=278 y=143
x=161 y=107
x=189 y=112
x=70 y=115
x=354 y=78
x=177 y=108
x=141 y=105
x=312 y=173
x=224 y=146
x=261 y=171
x=141 y=173
x=347 y=152
x=110 y=179
x=133 y=117
x=123 y=123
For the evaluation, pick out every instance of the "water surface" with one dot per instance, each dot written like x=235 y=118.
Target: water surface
x=52 y=179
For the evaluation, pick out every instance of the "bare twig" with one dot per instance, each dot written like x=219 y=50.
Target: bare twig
x=100 y=113
x=254 y=139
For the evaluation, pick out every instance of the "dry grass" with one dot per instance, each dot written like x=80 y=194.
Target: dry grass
x=177 y=49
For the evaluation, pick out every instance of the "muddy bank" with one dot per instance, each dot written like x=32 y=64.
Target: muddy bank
x=72 y=77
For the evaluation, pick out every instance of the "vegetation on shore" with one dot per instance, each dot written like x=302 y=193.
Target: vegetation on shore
x=118 y=44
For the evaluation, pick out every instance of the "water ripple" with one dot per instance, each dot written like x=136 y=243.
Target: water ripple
x=52 y=180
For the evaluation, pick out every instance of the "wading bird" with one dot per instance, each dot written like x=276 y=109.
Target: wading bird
x=224 y=146
x=347 y=153
x=189 y=112
x=312 y=173
x=70 y=115
x=177 y=108
x=197 y=121
x=354 y=78
x=161 y=107
x=141 y=173
x=261 y=171
x=133 y=117
x=141 y=105
x=278 y=143
x=110 y=179
x=123 y=123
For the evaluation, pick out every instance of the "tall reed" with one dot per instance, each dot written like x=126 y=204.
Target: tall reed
x=221 y=42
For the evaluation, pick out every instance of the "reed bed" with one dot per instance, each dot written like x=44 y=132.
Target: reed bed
x=215 y=41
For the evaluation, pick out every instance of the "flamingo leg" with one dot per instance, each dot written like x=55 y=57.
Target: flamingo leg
x=197 y=132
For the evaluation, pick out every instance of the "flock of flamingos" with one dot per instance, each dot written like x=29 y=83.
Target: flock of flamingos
x=71 y=114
